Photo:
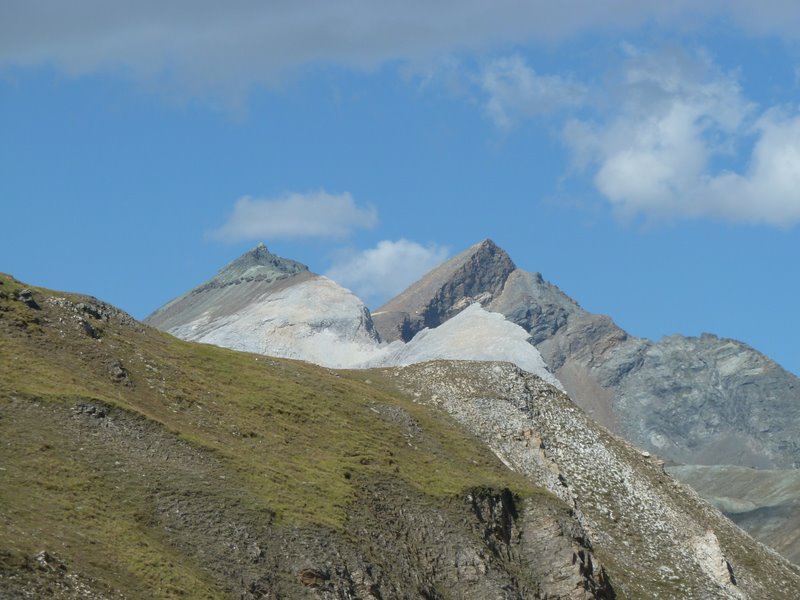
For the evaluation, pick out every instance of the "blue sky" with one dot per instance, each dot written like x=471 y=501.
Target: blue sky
x=645 y=158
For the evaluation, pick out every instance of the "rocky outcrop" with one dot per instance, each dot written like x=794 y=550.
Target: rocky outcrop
x=664 y=541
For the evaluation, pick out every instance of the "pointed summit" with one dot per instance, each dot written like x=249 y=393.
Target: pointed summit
x=476 y=275
x=271 y=305
x=254 y=273
x=258 y=264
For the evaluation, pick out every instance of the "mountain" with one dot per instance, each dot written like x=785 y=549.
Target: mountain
x=271 y=305
x=275 y=306
x=702 y=400
x=137 y=465
x=476 y=275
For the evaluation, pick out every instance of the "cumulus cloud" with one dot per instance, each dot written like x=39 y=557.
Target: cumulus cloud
x=205 y=44
x=384 y=271
x=515 y=91
x=768 y=191
x=313 y=215
x=680 y=116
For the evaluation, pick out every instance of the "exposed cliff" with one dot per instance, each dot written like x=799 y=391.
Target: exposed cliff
x=475 y=275
x=662 y=539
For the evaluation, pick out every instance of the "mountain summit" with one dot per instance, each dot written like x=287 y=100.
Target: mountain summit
x=476 y=275
x=267 y=304
x=259 y=264
x=718 y=388
x=255 y=271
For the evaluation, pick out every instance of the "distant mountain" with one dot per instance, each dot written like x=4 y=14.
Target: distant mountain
x=701 y=400
x=697 y=400
x=136 y=465
x=271 y=305
x=275 y=306
x=476 y=275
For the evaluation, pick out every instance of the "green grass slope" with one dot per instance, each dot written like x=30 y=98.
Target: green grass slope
x=141 y=464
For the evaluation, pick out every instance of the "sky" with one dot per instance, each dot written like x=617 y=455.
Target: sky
x=643 y=156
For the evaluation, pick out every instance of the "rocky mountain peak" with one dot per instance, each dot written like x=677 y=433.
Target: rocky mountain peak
x=234 y=287
x=476 y=275
x=258 y=264
x=488 y=254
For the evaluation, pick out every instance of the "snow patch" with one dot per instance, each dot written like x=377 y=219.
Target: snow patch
x=315 y=320
x=473 y=334
x=321 y=322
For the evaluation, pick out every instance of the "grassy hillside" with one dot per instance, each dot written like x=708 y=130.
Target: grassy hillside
x=109 y=428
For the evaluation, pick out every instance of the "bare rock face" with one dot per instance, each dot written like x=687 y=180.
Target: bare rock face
x=708 y=400
x=476 y=275
x=664 y=541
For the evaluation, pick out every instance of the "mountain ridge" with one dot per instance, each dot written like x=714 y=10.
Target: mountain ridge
x=601 y=365
x=271 y=305
x=257 y=264
x=699 y=400
x=264 y=303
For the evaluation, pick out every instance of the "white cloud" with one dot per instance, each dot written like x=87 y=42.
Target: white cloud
x=768 y=192
x=313 y=215
x=380 y=273
x=679 y=117
x=207 y=45
x=516 y=91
